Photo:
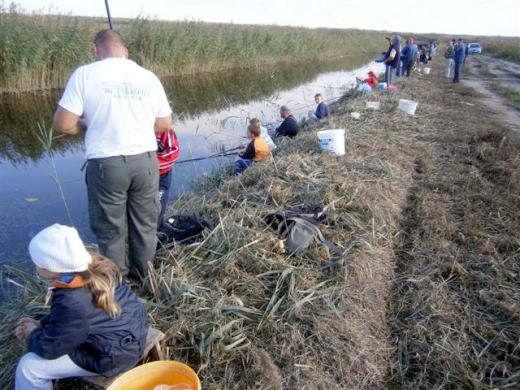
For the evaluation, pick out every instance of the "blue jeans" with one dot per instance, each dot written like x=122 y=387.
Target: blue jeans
x=456 y=77
x=165 y=181
x=241 y=164
x=408 y=65
x=400 y=68
x=388 y=75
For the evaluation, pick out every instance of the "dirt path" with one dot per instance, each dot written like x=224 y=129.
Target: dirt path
x=485 y=74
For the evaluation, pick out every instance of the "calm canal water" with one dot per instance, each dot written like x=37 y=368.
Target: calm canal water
x=212 y=112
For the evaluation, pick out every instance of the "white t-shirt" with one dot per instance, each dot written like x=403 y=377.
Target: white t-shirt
x=120 y=101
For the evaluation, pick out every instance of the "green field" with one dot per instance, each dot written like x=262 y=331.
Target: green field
x=39 y=51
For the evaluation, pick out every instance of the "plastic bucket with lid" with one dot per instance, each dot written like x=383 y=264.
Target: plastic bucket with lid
x=408 y=106
x=168 y=373
x=332 y=141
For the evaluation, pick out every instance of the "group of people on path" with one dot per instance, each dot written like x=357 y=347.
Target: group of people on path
x=96 y=324
x=403 y=60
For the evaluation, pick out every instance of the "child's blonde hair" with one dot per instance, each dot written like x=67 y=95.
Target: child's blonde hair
x=102 y=278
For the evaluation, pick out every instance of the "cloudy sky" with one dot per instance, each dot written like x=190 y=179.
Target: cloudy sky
x=475 y=17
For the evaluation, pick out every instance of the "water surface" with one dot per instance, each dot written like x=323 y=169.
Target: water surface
x=211 y=113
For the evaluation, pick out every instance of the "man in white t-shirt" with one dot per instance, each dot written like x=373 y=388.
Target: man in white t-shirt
x=119 y=106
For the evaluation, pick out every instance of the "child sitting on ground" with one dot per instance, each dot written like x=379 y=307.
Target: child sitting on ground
x=322 y=110
x=264 y=133
x=96 y=325
x=257 y=150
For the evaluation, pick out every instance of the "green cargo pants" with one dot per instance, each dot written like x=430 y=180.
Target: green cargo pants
x=123 y=202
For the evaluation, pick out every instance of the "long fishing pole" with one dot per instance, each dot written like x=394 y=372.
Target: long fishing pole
x=229 y=152
x=108 y=14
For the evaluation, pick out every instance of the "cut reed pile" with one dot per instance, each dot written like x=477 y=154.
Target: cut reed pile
x=246 y=315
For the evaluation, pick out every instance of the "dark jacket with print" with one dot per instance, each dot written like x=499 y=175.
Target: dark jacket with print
x=92 y=339
x=395 y=49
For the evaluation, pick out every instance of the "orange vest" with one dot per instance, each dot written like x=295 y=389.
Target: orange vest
x=261 y=149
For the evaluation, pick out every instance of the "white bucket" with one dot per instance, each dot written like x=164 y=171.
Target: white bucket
x=373 y=105
x=427 y=70
x=332 y=141
x=408 y=106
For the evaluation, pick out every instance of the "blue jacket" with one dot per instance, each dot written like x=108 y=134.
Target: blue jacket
x=322 y=110
x=92 y=339
x=459 y=53
x=289 y=127
x=409 y=52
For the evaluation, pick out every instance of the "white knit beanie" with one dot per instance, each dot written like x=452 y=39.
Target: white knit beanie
x=59 y=249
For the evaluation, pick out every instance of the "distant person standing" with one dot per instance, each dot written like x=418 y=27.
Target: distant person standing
x=289 y=127
x=409 y=56
x=459 y=55
x=123 y=105
x=448 y=55
x=391 y=57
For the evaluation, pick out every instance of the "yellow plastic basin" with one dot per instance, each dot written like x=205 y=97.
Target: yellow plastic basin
x=162 y=372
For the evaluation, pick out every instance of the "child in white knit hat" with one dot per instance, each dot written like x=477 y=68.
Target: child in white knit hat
x=96 y=325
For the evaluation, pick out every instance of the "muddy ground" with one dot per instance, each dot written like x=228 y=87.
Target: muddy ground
x=486 y=74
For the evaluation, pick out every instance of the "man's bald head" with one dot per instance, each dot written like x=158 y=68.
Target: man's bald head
x=109 y=44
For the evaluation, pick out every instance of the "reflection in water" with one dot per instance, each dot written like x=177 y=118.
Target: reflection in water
x=190 y=96
x=19 y=115
x=213 y=113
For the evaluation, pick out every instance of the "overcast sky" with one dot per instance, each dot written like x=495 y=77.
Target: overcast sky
x=475 y=17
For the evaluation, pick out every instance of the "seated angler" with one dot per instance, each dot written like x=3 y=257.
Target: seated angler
x=289 y=126
x=322 y=110
x=257 y=150
x=96 y=325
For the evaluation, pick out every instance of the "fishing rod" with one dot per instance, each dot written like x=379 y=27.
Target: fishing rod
x=108 y=15
x=229 y=152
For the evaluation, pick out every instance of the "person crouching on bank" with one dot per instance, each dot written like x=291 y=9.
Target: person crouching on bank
x=257 y=150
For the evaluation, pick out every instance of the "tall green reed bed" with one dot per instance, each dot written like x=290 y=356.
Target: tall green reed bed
x=40 y=51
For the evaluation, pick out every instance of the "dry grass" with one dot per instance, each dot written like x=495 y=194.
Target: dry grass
x=425 y=296
x=455 y=313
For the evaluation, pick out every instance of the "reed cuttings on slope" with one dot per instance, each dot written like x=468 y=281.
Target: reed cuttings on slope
x=247 y=315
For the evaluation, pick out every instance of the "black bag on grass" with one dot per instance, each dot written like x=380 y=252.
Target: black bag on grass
x=185 y=229
x=300 y=228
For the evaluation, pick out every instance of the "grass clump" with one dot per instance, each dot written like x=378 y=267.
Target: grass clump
x=510 y=94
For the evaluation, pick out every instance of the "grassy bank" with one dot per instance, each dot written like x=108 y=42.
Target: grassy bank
x=507 y=48
x=425 y=295
x=40 y=51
